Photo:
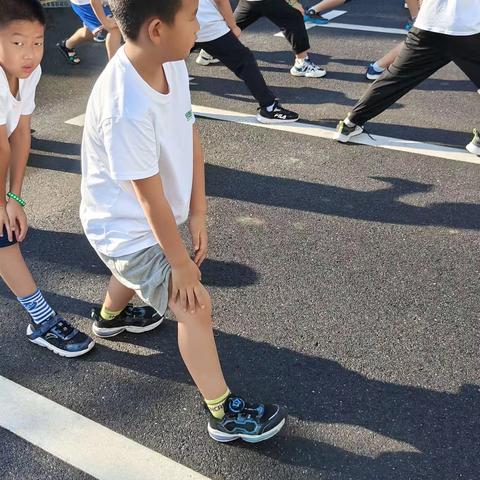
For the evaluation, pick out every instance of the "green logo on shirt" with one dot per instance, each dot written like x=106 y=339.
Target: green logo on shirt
x=189 y=115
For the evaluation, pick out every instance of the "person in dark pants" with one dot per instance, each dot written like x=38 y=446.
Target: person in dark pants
x=288 y=16
x=445 y=31
x=218 y=38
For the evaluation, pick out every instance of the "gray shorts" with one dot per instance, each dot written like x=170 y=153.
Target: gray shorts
x=147 y=272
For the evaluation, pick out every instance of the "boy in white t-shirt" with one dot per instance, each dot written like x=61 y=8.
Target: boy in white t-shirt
x=22 y=25
x=96 y=17
x=445 y=31
x=142 y=175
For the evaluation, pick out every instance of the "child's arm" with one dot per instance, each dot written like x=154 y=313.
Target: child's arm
x=226 y=11
x=20 y=143
x=107 y=22
x=4 y=163
x=198 y=202
x=186 y=286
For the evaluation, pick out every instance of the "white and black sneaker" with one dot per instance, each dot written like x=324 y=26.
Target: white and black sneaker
x=344 y=133
x=60 y=337
x=307 y=69
x=131 y=319
x=277 y=114
x=249 y=422
x=474 y=145
x=205 y=58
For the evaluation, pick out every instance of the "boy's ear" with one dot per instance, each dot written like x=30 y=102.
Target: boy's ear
x=155 y=30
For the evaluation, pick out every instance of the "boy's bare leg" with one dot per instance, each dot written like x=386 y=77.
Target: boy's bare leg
x=198 y=349
x=327 y=5
x=414 y=7
x=82 y=35
x=118 y=296
x=390 y=57
x=113 y=42
x=15 y=272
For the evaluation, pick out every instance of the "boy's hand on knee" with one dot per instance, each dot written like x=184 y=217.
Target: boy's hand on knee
x=18 y=220
x=198 y=232
x=187 y=291
x=5 y=223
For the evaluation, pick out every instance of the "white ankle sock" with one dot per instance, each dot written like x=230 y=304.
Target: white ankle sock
x=377 y=67
x=271 y=107
x=348 y=123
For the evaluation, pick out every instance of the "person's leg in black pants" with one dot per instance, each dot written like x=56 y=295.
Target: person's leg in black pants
x=291 y=23
x=240 y=60
x=421 y=56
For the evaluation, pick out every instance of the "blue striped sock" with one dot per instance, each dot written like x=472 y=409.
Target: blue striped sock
x=36 y=306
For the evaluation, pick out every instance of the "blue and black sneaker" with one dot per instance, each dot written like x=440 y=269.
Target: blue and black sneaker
x=132 y=319
x=372 y=73
x=314 y=17
x=60 y=337
x=249 y=422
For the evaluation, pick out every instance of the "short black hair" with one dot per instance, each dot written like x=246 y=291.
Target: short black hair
x=12 y=10
x=132 y=14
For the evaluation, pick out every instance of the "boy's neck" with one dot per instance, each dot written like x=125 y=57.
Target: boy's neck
x=13 y=82
x=146 y=66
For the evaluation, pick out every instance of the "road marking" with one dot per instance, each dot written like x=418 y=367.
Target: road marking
x=409 y=146
x=329 y=16
x=349 y=26
x=83 y=443
x=419 y=148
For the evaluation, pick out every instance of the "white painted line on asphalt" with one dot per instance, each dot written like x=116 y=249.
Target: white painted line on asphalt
x=409 y=146
x=329 y=16
x=82 y=443
x=77 y=121
x=359 y=28
x=419 y=148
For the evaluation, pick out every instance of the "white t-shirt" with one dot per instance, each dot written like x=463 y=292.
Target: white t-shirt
x=80 y=2
x=134 y=132
x=12 y=108
x=450 y=17
x=212 y=24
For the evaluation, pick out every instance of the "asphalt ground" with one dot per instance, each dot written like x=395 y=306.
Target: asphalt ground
x=344 y=278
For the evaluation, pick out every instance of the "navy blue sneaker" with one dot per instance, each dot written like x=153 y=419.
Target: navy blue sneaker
x=60 y=337
x=251 y=423
x=132 y=319
x=372 y=73
x=314 y=17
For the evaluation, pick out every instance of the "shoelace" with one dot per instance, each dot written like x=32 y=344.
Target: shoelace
x=63 y=329
x=310 y=66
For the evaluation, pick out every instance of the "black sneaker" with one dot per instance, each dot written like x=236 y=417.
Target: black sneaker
x=277 y=115
x=311 y=15
x=60 y=337
x=474 y=145
x=344 y=133
x=251 y=423
x=132 y=319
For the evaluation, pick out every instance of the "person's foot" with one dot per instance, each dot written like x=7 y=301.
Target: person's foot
x=372 y=73
x=205 y=58
x=277 y=114
x=307 y=69
x=132 y=319
x=60 y=337
x=344 y=133
x=249 y=422
x=474 y=145
x=314 y=17
x=69 y=53
x=101 y=36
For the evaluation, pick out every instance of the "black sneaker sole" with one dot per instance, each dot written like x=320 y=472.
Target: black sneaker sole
x=112 y=332
x=223 y=437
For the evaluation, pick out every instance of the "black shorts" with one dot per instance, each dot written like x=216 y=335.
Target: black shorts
x=4 y=242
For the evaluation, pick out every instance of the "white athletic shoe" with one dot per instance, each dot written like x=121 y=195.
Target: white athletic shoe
x=308 y=69
x=344 y=133
x=205 y=59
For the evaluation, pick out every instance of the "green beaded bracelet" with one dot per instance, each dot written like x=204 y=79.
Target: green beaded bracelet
x=16 y=198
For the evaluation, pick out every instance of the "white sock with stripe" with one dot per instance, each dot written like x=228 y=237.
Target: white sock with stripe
x=37 y=307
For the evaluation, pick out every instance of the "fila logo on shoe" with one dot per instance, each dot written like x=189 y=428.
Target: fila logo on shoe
x=281 y=116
